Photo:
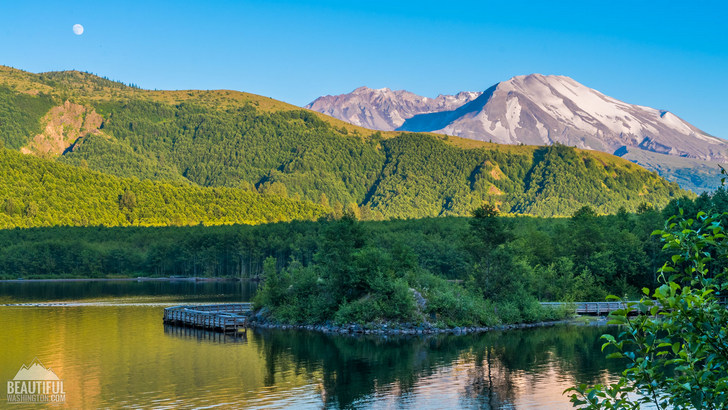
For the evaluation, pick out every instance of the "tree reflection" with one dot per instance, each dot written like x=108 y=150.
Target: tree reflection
x=356 y=369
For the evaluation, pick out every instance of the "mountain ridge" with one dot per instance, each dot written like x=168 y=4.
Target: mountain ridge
x=395 y=106
x=223 y=139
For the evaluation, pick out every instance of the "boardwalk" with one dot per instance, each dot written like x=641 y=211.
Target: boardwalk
x=604 y=308
x=231 y=317
x=590 y=308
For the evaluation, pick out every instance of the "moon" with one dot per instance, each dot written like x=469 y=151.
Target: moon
x=77 y=29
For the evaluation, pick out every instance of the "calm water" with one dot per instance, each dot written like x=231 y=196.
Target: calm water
x=154 y=290
x=113 y=351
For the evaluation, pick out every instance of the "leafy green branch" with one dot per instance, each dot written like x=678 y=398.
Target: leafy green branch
x=675 y=348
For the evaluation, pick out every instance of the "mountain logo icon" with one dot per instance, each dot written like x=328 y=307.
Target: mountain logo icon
x=36 y=384
x=36 y=371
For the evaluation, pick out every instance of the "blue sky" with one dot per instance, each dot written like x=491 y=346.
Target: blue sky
x=667 y=55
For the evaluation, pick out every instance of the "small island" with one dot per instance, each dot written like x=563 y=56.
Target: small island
x=355 y=286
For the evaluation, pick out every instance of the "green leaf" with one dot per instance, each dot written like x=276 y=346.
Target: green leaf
x=613 y=298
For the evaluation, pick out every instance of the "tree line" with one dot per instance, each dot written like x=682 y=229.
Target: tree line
x=576 y=258
x=36 y=192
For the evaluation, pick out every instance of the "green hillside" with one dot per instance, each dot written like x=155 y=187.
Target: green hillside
x=238 y=140
x=36 y=192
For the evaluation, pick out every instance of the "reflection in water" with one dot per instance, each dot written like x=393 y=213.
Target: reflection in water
x=114 y=356
x=494 y=370
x=201 y=335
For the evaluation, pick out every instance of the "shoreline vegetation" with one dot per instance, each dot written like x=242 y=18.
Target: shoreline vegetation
x=436 y=273
x=356 y=286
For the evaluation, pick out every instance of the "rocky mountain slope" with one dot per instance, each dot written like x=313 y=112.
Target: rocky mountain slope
x=384 y=109
x=542 y=110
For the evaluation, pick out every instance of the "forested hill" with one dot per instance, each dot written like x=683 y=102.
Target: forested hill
x=239 y=140
x=36 y=192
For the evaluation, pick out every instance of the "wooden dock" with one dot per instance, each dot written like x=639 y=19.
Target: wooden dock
x=225 y=318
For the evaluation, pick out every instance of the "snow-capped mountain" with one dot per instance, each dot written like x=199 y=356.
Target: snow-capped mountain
x=385 y=109
x=537 y=110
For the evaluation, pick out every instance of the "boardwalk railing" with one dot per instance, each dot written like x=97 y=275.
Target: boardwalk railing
x=604 y=308
x=230 y=317
x=589 y=308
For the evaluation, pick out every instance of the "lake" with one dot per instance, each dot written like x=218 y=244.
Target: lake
x=110 y=348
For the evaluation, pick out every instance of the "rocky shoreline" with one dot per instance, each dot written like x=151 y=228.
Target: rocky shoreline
x=390 y=329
